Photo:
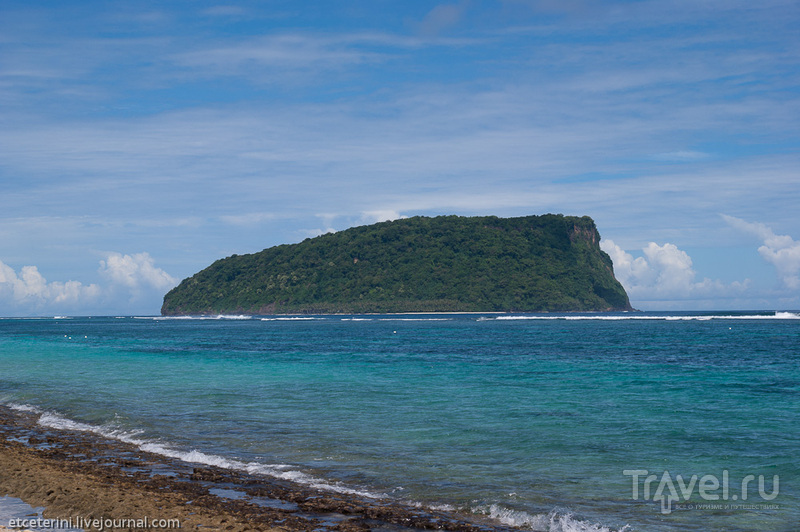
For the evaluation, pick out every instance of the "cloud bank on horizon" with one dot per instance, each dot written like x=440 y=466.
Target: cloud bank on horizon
x=126 y=277
x=179 y=133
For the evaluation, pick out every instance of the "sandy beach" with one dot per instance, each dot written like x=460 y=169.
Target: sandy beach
x=74 y=490
x=96 y=483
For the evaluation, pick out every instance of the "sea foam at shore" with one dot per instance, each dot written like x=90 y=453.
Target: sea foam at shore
x=530 y=420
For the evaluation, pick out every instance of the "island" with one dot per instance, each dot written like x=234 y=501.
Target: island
x=546 y=263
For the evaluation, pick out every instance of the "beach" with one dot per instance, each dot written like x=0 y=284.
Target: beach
x=88 y=480
x=535 y=422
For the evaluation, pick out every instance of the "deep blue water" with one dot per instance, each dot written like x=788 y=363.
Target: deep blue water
x=537 y=420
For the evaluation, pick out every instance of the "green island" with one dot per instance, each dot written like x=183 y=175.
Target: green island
x=546 y=263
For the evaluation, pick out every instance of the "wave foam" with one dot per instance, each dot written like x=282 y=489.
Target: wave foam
x=293 y=318
x=217 y=317
x=24 y=408
x=553 y=522
x=279 y=471
x=415 y=319
x=665 y=317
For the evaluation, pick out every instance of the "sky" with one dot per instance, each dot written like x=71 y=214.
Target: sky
x=141 y=141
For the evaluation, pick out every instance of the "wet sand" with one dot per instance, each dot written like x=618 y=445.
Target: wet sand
x=78 y=475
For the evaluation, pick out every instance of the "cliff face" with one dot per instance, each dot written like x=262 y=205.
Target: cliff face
x=420 y=264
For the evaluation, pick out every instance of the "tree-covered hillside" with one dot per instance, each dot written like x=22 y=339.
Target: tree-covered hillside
x=421 y=264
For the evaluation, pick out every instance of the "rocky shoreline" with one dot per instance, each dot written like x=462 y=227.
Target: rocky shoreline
x=93 y=481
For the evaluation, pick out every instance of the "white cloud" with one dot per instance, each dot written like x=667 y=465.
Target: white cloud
x=382 y=215
x=136 y=272
x=664 y=273
x=782 y=251
x=30 y=290
x=505 y=121
x=329 y=220
x=132 y=279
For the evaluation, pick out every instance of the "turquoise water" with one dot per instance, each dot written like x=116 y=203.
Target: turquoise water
x=542 y=421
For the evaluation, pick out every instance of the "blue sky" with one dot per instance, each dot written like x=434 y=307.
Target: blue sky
x=141 y=141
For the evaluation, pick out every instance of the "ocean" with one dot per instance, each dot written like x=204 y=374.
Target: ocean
x=575 y=422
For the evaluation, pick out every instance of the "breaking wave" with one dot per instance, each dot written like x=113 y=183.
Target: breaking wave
x=778 y=315
x=279 y=471
x=555 y=521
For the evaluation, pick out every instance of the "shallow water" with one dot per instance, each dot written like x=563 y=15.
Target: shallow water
x=542 y=421
x=14 y=511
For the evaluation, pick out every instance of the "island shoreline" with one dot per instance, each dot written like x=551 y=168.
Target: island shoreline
x=85 y=477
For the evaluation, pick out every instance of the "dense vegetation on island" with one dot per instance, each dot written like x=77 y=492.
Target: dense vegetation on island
x=421 y=264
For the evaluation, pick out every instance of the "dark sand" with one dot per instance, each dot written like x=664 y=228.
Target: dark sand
x=82 y=475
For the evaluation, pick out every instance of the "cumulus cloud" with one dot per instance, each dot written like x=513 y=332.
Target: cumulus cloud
x=664 y=273
x=136 y=272
x=782 y=251
x=131 y=278
x=30 y=289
